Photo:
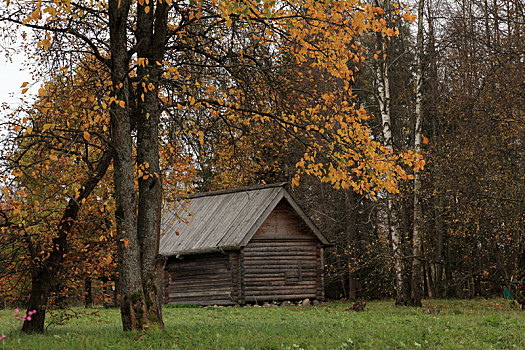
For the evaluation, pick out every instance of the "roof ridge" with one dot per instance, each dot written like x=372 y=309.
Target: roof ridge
x=236 y=190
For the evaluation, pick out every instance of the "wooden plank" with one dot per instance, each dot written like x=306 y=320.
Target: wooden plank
x=320 y=277
x=199 y=264
x=221 y=302
x=203 y=264
x=269 y=293
x=255 y=267
x=269 y=297
x=242 y=276
x=200 y=284
x=235 y=275
x=283 y=222
x=190 y=272
x=210 y=293
x=258 y=270
x=273 y=276
x=276 y=286
x=312 y=286
x=202 y=268
x=282 y=260
x=199 y=276
x=192 y=286
x=275 y=255
x=277 y=248
x=281 y=242
x=212 y=257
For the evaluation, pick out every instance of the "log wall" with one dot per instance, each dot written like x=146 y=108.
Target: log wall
x=283 y=260
x=206 y=279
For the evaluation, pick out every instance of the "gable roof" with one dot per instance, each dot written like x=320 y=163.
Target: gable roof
x=223 y=220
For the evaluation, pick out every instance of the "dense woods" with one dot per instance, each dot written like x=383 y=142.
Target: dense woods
x=472 y=204
x=400 y=127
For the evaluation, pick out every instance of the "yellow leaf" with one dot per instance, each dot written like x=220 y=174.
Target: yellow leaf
x=53 y=157
x=122 y=104
x=146 y=9
x=86 y=135
x=46 y=44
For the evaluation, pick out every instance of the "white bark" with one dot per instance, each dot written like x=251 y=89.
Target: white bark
x=416 y=234
x=383 y=97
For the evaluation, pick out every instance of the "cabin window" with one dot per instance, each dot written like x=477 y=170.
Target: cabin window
x=295 y=274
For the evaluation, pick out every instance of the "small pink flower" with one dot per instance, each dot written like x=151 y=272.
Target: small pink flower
x=28 y=318
x=3 y=337
x=17 y=317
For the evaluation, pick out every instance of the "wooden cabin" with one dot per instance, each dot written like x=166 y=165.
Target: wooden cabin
x=241 y=246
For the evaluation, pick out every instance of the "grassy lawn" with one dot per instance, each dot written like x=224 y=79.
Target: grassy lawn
x=460 y=324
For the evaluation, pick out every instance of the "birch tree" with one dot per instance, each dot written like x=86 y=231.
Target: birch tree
x=382 y=82
x=416 y=233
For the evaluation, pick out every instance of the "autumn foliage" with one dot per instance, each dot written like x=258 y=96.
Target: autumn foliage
x=156 y=85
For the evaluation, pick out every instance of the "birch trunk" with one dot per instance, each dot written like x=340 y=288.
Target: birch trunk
x=416 y=234
x=383 y=90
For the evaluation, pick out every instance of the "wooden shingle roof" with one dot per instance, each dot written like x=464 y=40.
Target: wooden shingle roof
x=222 y=220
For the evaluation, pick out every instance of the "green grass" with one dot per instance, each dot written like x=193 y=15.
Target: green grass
x=461 y=324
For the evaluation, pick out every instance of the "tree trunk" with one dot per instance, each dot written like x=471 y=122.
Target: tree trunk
x=438 y=257
x=418 y=219
x=152 y=31
x=352 y=290
x=41 y=284
x=353 y=242
x=383 y=92
x=44 y=276
x=150 y=200
x=88 y=297
x=132 y=301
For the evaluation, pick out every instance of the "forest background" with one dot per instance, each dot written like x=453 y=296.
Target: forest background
x=448 y=84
